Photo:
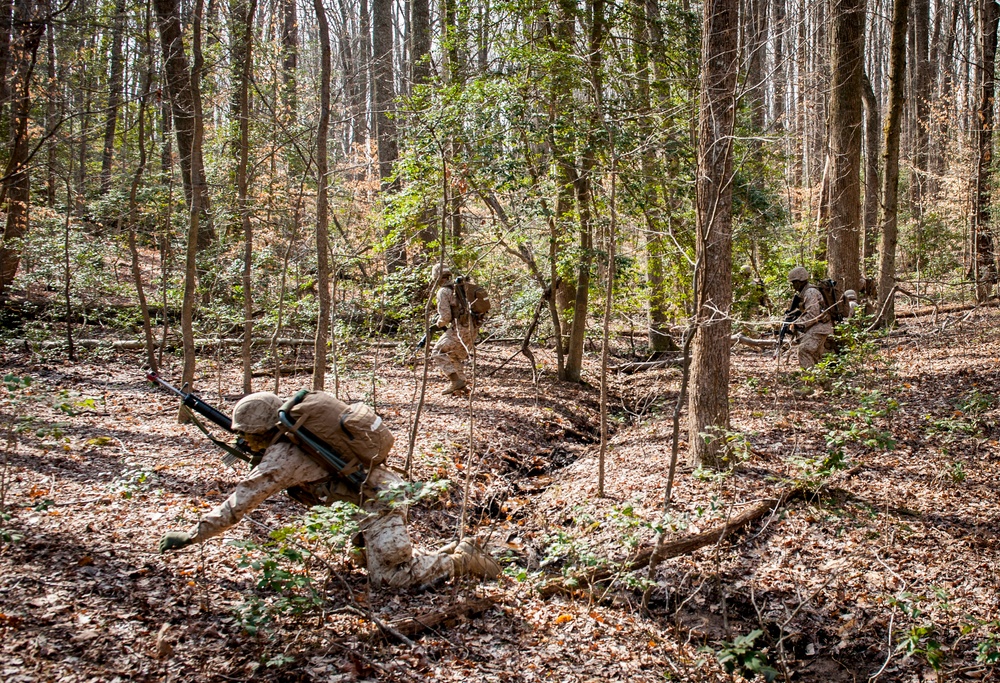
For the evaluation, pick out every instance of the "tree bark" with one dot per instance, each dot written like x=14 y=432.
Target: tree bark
x=583 y=186
x=194 y=231
x=843 y=243
x=114 y=97
x=873 y=128
x=15 y=189
x=708 y=407
x=245 y=52
x=183 y=90
x=388 y=150
x=890 y=164
x=984 y=269
x=322 y=210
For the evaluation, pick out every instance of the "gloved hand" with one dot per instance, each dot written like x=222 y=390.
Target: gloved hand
x=175 y=540
x=793 y=328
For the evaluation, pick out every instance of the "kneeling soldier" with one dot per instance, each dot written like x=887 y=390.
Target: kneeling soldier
x=391 y=558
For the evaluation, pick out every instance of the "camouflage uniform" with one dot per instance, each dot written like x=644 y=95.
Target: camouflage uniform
x=815 y=322
x=454 y=346
x=392 y=560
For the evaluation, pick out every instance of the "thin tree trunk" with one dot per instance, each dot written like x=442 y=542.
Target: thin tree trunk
x=322 y=210
x=984 y=268
x=194 y=231
x=243 y=112
x=583 y=186
x=133 y=206
x=184 y=90
x=114 y=97
x=890 y=186
x=15 y=189
x=388 y=151
x=708 y=408
x=873 y=129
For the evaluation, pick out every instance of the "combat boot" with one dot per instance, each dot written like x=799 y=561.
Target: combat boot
x=470 y=558
x=457 y=383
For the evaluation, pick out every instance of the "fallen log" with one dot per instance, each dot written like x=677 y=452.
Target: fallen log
x=411 y=626
x=675 y=548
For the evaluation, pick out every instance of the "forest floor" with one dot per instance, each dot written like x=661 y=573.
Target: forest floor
x=882 y=563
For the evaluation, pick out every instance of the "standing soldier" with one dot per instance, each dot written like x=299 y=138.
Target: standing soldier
x=814 y=322
x=455 y=345
x=392 y=560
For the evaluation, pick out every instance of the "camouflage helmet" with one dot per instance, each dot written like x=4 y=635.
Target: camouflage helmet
x=440 y=271
x=851 y=295
x=798 y=274
x=256 y=413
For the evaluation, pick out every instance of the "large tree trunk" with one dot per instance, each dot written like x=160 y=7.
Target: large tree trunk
x=388 y=150
x=843 y=243
x=15 y=190
x=114 y=97
x=890 y=186
x=322 y=215
x=708 y=406
x=984 y=269
x=182 y=87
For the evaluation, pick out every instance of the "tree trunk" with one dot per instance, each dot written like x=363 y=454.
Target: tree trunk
x=114 y=97
x=873 y=128
x=708 y=406
x=843 y=243
x=195 y=213
x=890 y=181
x=289 y=58
x=133 y=208
x=984 y=269
x=642 y=34
x=183 y=91
x=245 y=35
x=15 y=189
x=388 y=151
x=583 y=186
x=322 y=215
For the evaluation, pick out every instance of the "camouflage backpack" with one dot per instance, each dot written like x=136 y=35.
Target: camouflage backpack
x=472 y=299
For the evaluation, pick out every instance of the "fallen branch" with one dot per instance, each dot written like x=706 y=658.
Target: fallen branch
x=952 y=308
x=135 y=345
x=411 y=626
x=755 y=343
x=676 y=548
x=639 y=366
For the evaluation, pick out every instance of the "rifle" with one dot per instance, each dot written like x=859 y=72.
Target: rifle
x=192 y=404
x=791 y=315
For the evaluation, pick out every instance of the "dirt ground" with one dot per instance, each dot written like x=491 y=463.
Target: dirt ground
x=882 y=564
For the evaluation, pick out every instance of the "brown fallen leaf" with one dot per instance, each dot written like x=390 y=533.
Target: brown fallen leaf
x=164 y=648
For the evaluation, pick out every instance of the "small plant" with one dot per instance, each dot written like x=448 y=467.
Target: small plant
x=742 y=657
x=957 y=472
x=133 y=481
x=919 y=640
